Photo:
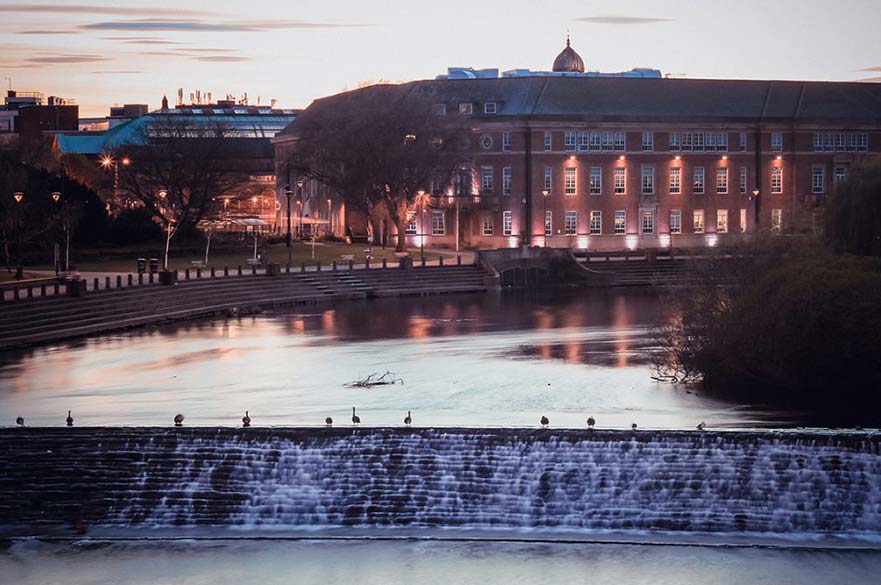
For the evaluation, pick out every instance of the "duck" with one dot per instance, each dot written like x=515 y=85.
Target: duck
x=69 y=419
x=19 y=422
x=591 y=422
x=328 y=421
x=701 y=426
x=356 y=420
x=408 y=419
x=246 y=420
x=544 y=422
x=178 y=420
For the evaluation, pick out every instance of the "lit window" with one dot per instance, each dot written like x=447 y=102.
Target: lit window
x=486 y=179
x=743 y=180
x=648 y=141
x=596 y=223
x=506 y=180
x=596 y=180
x=818 y=179
x=490 y=108
x=411 y=225
x=438 y=225
x=548 y=141
x=439 y=109
x=722 y=221
x=777 y=141
x=648 y=180
x=488 y=225
x=466 y=109
x=698 y=183
x=506 y=141
x=675 y=181
x=722 y=180
x=571 y=223
x=570 y=181
x=549 y=223
x=507 y=223
x=675 y=221
x=648 y=222
x=620 y=222
x=776 y=219
x=743 y=220
x=698 y=222
x=776 y=180
x=570 y=141
x=548 y=175
x=620 y=181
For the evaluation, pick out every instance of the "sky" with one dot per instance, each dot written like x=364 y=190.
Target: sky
x=101 y=53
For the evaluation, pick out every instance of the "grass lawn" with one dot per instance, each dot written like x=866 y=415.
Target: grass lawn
x=6 y=276
x=325 y=252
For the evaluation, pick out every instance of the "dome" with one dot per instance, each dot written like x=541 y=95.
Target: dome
x=568 y=61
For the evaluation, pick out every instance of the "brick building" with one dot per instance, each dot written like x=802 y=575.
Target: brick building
x=568 y=159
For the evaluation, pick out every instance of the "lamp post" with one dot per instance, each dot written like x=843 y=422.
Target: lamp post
x=329 y=218
x=421 y=194
x=108 y=161
x=288 y=193
x=544 y=218
x=18 y=196
x=300 y=202
x=56 y=198
x=169 y=230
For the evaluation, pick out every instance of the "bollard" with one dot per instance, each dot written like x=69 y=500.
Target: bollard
x=30 y=292
x=198 y=273
x=458 y=261
x=187 y=273
x=226 y=271
x=15 y=294
x=440 y=261
x=384 y=263
x=367 y=263
x=95 y=284
x=42 y=290
x=302 y=267
x=131 y=280
x=212 y=272
x=423 y=262
x=140 y=278
x=318 y=267
x=118 y=281
x=56 y=289
x=334 y=265
x=253 y=270
x=351 y=265
x=151 y=278
x=287 y=268
x=240 y=269
x=106 y=283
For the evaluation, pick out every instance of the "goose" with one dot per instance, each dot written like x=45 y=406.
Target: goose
x=179 y=420
x=328 y=421
x=544 y=422
x=591 y=422
x=69 y=419
x=408 y=419
x=246 y=420
x=633 y=426
x=701 y=426
x=19 y=422
x=356 y=420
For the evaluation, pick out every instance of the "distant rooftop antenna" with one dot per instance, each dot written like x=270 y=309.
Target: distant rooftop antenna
x=209 y=97
x=180 y=96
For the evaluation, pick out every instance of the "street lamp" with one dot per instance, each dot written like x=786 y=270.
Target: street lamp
x=544 y=219
x=288 y=193
x=329 y=218
x=421 y=194
x=300 y=203
x=108 y=161
x=19 y=269
x=169 y=231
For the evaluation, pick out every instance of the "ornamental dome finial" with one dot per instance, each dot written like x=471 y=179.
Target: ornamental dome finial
x=568 y=61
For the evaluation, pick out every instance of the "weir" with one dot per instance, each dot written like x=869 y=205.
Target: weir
x=276 y=478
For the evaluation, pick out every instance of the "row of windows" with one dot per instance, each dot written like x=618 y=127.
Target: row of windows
x=647 y=180
x=591 y=141
x=841 y=142
x=647 y=222
x=466 y=108
x=701 y=141
x=818 y=177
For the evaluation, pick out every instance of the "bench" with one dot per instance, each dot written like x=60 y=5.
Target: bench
x=198 y=264
x=252 y=262
x=347 y=257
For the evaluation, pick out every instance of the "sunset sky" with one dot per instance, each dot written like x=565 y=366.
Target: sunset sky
x=106 y=52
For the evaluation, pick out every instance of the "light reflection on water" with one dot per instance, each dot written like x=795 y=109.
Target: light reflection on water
x=483 y=360
x=426 y=563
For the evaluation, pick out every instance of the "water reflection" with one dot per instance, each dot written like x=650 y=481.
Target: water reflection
x=495 y=359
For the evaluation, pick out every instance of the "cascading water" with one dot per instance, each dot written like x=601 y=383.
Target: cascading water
x=785 y=482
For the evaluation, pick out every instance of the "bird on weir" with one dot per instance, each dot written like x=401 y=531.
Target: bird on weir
x=408 y=419
x=544 y=422
x=356 y=420
x=591 y=422
x=19 y=422
x=69 y=419
x=701 y=426
x=179 y=420
x=246 y=420
x=328 y=421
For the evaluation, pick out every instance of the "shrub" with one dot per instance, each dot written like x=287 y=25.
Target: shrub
x=134 y=226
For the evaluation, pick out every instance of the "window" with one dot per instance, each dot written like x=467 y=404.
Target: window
x=507 y=223
x=698 y=141
x=596 y=180
x=488 y=225
x=486 y=142
x=648 y=222
x=548 y=141
x=776 y=180
x=439 y=110
x=698 y=183
x=698 y=221
x=595 y=141
x=648 y=141
x=571 y=225
x=620 y=222
x=675 y=181
x=686 y=141
x=466 y=109
x=490 y=108
x=549 y=223
x=548 y=175
x=722 y=142
x=506 y=141
x=648 y=180
x=840 y=142
x=438 y=226
x=744 y=141
x=675 y=221
x=506 y=180
x=620 y=181
x=596 y=223
x=722 y=221
x=777 y=141
x=608 y=141
x=486 y=179
x=569 y=181
x=620 y=141
x=743 y=180
x=840 y=174
x=570 y=141
x=411 y=229
x=863 y=142
x=583 y=144
x=742 y=220
x=818 y=179
x=675 y=141
x=722 y=180
x=776 y=219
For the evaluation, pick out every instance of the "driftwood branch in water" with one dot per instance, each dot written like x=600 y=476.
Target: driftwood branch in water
x=375 y=379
